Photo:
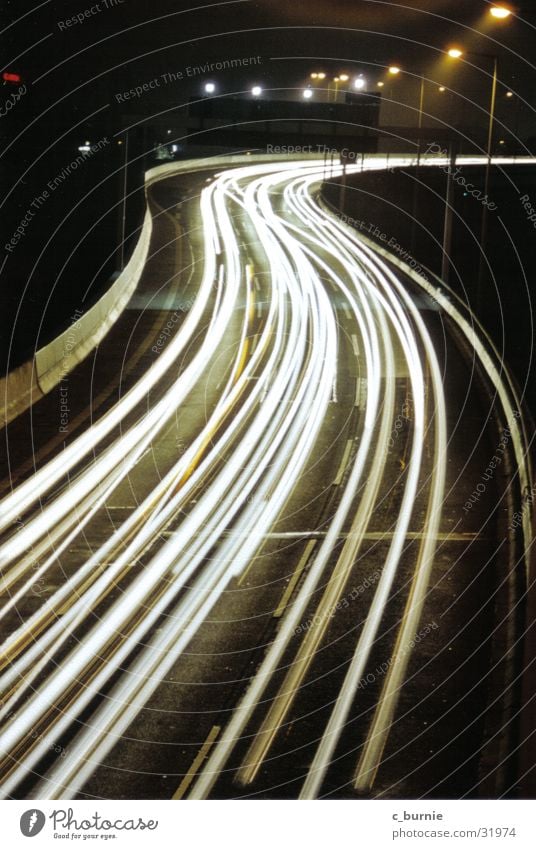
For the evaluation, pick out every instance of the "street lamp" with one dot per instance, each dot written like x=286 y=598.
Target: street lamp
x=394 y=70
x=456 y=53
x=210 y=88
x=307 y=93
x=341 y=78
x=318 y=77
x=336 y=80
x=500 y=12
x=489 y=145
x=256 y=91
x=360 y=83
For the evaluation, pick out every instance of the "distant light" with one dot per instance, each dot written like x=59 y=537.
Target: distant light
x=500 y=12
x=84 y=148
x=509 y=93
x=394 y=70
x=314 y=76
x=380 y=84
x=210 y=88
x=10 y=77
x=360 y=83
x=174 y=148
x=501 y=141
x=119 y=142
x=256 y=91
x=455 y=52
x=344 y=78
x=169 y=132
x=307 y=93
x=441 y=88
x=321 y=76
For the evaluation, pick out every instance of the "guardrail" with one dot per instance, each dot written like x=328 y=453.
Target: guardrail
x=29 y=382
x=512 y=646
x=25 y=385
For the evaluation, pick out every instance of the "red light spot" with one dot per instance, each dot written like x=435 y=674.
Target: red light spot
x=8 y=77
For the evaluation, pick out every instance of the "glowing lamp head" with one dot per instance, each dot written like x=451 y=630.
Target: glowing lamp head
x=500 y=12
x=256 y=91
x=380 y=84
x=210 y=88
x=394 y=70
x=455 y=53
x=359 y=83
x=344 y=78
x=307 y=93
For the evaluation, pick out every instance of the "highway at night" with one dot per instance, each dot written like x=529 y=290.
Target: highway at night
x=258 y=576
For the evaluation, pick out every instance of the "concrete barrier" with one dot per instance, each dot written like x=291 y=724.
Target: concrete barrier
x=19 y=389
x=63 y=354
x=161 y=172
x=25 y=385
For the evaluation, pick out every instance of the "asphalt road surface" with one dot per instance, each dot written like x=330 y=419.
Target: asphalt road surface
x=272 y=553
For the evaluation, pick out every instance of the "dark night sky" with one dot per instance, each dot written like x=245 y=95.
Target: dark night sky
x=135 y=40
x=73 y=75
x=74 y=71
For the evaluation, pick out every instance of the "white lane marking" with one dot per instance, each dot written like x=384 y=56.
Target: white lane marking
x=334 y=399
x=200 y=757
x=357 y=400
x=344 y=461
x=361 y=389
x=280 y=609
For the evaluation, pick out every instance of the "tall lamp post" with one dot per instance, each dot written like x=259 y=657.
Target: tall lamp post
x=318 y=77
x=498 y=12
x=416 y=183
x=419 y=120
x=456 y=53
x=394 y=70
x=336 y=80
x=341 y=78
